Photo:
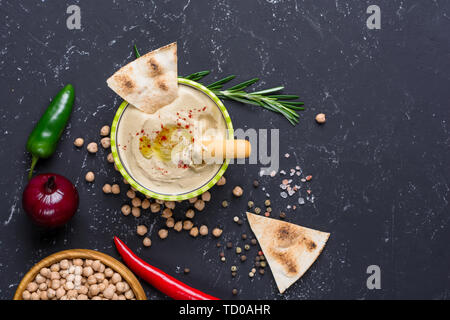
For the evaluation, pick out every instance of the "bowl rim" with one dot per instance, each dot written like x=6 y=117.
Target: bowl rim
x=109 y=261
x=172 y=197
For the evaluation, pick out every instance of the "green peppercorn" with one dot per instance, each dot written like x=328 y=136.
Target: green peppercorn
x=269 y=209
x=257 y=210
x=267 y=203
x=238 y=250
x=233 y=268
x=224 y=203
x=247 y=247
x=250 y=204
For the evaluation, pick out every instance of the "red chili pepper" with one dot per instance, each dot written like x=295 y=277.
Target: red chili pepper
x=157 y=278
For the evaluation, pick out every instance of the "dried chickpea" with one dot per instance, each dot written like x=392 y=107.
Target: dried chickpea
x=237 y=191
x=141 y=230
x=192 y=200
x=170 y=222
x=178 y=226
x=170 y=204
x=116 y=278
x=131 y=194
x=110 y=158
x=136 y=212
x=217 y=232
x=221 y=181
x=147 y=242
x=187 y=225
x=106 y=142
x=203 y=230
x=126 y=210
x=167 y=213
x=320 y=118
x=109 y=272
x=26 y=295
x=199 y=204
x=206 y=196
x=145 y=204
x=78 y=142
x=115 y=189
x=155 y=207
x=190 y=214
x=32 y=287
x=136 y=202
x=163 y=233
x=107 y=188
x=194 y=232
x=104 y=131
x=92 y=147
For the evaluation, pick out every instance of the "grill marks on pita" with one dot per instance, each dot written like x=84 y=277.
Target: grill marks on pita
x=289 y=249
x=149 y=82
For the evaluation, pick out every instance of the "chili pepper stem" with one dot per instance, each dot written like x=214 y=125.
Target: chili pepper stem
x=34 y=160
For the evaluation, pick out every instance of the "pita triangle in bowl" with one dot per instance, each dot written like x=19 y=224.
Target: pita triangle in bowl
x=151 y=81
x=288 y=248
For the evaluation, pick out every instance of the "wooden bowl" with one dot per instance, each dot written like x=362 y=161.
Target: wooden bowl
x=109 y=261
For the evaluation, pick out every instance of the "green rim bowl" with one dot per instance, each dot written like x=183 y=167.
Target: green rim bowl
x=171 y=197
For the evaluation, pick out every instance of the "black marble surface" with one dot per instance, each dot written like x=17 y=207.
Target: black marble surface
x=379 y=165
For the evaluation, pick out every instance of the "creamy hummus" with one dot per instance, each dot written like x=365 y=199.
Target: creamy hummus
x=151 y=146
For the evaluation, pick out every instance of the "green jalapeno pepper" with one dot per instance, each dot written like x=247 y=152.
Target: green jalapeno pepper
x=44 y=138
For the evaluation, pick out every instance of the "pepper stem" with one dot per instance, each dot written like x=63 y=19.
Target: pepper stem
x=34 y=160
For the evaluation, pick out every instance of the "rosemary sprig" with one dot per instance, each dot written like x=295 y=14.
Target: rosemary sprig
x=268 y=99
x=279 y=103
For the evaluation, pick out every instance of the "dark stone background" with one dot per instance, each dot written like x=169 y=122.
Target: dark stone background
x=380 y=163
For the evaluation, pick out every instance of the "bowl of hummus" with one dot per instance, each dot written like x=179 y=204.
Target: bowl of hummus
x=154 y=152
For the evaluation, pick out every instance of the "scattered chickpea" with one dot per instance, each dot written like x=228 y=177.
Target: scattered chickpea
x=78 y=142
x=167 y=213
x=190 y=214
x=141 y=230
x=131 y=194
x=136 y=212
x=203 y=230
x=199 y=205
x=187 y=225
x=147 y=243
x=110 y=158
x=155 y=207
x=206 y=196
x=192 y=200
x=92 y=147
x=320 y=118
x=170 y=204
x=170 y=223
x=178 y=226
x=106 y=142
x=145 y=204
x=126 y=210
x=136 y=202
x=221 y=181
x=115 y=189
x=194 y=232
x=217 y=232
x=104 y=131
x=107 y=188
x=163 y=233
x=237 y=191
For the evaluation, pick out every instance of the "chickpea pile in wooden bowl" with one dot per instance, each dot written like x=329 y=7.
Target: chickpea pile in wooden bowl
x=79 y=274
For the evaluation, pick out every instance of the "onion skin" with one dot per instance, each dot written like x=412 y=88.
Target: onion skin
x=50 y=200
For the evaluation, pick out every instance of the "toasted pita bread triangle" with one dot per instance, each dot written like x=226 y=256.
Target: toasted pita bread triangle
x=289 y=249
x=149 y=82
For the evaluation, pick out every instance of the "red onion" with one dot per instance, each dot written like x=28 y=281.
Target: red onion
x=50 y=200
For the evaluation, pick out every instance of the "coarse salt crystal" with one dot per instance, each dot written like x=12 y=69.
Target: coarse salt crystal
x=291 y=192
x=297 y=167
x=273 y=173
x=282 y=172
x=286 y=155
x=303 y=180
x=283 y=186
x=301 y=200
x=283 y=195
